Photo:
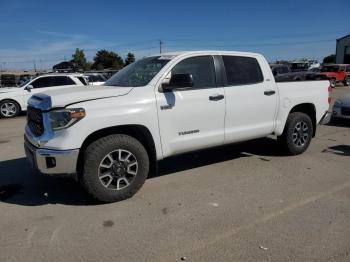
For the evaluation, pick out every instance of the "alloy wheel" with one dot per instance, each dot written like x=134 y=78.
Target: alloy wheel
x=8 y=109
x=300 y=134
x=118 y=169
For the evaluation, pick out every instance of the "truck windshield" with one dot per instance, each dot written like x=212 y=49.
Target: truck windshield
x=139 y=73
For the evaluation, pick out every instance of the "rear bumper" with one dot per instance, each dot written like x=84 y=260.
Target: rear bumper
x=326 y=118
x=49 y=161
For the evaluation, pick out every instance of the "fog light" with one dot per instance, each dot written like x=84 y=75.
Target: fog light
x=50 y=162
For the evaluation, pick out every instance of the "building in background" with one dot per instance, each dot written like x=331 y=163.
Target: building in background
x=343 y=50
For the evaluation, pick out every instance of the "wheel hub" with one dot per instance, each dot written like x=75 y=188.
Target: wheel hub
x=118 y=169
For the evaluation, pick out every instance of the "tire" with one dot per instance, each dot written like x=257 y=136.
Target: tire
x=9 y=109
x=97 y=162
x=346 y=81
x=294 y=141
x=333 y=82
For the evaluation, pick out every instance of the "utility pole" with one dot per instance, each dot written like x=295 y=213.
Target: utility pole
x=160 y=46
x=34 y=63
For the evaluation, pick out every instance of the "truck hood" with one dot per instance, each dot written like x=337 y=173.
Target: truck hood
x=9 y=89
x=76 y=94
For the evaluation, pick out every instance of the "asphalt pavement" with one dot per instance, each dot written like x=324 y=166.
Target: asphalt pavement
x=243 y=202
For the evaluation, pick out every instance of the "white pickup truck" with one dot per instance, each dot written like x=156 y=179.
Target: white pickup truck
x=111 y=136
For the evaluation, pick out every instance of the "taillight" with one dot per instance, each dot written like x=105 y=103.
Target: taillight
x=329 y=94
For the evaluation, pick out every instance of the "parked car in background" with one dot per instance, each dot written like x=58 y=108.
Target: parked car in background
x=95 y=79
x=13 y=100
x=7 y=80
x=298 y=66
x=164 y=105
x=341 y=107
x=283 y=72
x=336 y=73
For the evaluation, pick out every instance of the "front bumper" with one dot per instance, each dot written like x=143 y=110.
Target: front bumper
x=49 y=161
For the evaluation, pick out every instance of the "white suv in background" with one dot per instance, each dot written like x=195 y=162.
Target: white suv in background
x=13 y=100
x=95 y=79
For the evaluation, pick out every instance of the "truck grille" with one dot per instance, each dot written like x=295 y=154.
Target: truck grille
x=345 y=111
x=35 y=121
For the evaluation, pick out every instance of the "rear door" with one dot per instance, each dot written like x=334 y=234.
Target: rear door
x=251 y=98
x=192 y=118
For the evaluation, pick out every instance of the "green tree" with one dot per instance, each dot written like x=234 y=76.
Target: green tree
x=107 y=59
x=130 y=58
x=79 y=58
x=329 y=59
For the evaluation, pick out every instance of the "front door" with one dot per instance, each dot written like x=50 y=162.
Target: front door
x=192 y=118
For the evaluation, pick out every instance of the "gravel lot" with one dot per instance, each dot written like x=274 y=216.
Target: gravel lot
x=243 y=202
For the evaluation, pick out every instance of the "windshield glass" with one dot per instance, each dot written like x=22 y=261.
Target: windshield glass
x=330 y=69
x=299 y=66
x=139 y=73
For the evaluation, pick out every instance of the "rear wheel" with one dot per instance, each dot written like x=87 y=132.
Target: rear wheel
x=346 y=81
x=9 y=108
x=297 y=133
x=115 y=167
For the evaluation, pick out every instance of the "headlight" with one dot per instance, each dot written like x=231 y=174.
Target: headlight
x=338 y=103
x=64 y=118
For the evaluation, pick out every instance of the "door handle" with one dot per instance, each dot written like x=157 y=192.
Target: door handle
x=269 y=92
x=216 y=97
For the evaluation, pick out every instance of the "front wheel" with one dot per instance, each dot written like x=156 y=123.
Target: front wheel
x=9 y=108
x=297 y=133
x=346 y=81
x=114 y=168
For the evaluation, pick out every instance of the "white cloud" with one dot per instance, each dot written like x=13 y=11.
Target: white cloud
x=48 y=48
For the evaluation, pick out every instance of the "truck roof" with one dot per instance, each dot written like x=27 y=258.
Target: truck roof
x=207 y=52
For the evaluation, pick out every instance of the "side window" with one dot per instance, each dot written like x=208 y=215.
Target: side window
x=348 y=68
x=285 y=69
x=242 y=70
x=279 y=70
x=201 y=68
x=41 y=82
x=82 y=80
x=61 y=81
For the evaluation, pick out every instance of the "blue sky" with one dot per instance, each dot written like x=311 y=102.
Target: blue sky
x=49 y=31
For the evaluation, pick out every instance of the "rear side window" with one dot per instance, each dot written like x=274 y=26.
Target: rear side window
x=61 y=81
x=82 y=80
x=242 y=70
x=201 y=68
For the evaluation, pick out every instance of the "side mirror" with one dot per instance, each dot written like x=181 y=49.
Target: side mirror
x=178 y=81
x=29 y=87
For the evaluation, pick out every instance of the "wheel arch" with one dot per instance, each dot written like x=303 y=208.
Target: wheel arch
x=15 y=101
x=139 y=132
